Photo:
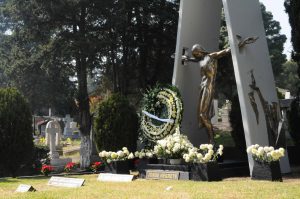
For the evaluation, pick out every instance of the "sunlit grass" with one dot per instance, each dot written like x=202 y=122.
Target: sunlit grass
x=230 y=188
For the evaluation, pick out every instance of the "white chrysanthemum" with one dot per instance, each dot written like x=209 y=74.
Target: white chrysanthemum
x=130 y=156
x=210 y=147
x=120 y=154
x=249 y=149
x=149 y=154
x=203 y=146
x=114 y=155
x=281 y=151
x=221 y=147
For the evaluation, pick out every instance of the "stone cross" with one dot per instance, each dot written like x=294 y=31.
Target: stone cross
x=53 y=132
x=67 y=130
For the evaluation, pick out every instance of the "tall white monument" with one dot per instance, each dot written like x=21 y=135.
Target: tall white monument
x=199 y=22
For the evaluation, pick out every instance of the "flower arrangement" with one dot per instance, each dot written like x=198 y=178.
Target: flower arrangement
x=173 y=146
x=70 y=166
x=161 y=102
x=204 y=154
x=96 y=166
x=46 y=169
x=144 y=153
x=265 y=154
x=110 y=156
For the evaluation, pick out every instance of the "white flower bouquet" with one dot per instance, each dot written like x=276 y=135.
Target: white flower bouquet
x=265 y=154
x=173 y=146
x=204 y=154
x=120 y=155
x=144 y=153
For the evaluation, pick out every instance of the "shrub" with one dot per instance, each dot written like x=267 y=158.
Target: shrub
x=16 y=140
x=293 y=119
x=115 y=124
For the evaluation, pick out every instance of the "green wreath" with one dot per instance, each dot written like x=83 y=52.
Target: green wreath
x=161 y=102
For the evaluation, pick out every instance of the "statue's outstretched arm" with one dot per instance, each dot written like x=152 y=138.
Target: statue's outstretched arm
x=219 y=54
x=186 y=58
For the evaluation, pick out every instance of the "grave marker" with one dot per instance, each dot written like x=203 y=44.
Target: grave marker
x=22 y=188
x=66 y=182
x=109 y=177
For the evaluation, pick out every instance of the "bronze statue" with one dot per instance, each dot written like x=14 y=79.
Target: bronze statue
x=208 y=70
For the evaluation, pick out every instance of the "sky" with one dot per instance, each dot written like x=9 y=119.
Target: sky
x=279 y=14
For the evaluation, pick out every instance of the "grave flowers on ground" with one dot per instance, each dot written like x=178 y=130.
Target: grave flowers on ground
x=46 y=169
x=173 y=147
x=203 y=162
x=70 y=166
x=266 y=162
x=119 y=162
x=97 y=166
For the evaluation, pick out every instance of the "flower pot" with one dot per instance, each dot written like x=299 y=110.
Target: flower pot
x=266 y=171
x=119 y=167
x=205 y=172
x=175 y=161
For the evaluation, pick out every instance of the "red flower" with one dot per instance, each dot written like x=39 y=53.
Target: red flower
x=69 y=166
x=46 y=169
x=96 y=166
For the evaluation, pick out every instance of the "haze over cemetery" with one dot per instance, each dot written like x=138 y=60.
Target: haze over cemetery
x=148 y=99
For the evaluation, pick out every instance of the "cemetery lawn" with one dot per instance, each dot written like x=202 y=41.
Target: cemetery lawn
x=228 y=188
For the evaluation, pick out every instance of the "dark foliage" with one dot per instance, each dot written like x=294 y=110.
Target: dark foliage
x=116 y=124
x=294 y=118
x=235 y=118
x=16 y=140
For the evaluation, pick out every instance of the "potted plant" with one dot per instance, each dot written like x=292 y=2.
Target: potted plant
x=203 y=162
x=173 y=147
x=46 y=169
x=119 y=162
x=266 y=162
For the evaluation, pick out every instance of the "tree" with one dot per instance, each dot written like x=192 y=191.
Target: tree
x=289 y=78
x=293 y=9
x=16 y=141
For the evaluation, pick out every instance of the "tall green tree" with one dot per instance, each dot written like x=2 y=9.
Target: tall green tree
x=289 y=78
x=293 y=9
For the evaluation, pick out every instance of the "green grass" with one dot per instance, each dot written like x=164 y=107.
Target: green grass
x=229 y=188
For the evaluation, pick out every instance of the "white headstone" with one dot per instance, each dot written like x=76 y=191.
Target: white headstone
x=66 y=182
x=68 y=130
x=109 y=177
x=53 y=132
x=22 y=188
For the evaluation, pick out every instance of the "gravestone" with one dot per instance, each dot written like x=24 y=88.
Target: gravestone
x=66 y=182
x=53 y=131
x=50 y=127
x=199 y=22
x=68 y=131
x=109 y=177
x=22 y=188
